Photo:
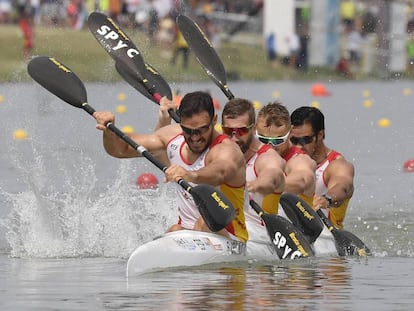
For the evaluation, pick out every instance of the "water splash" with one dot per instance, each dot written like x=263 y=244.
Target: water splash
x=84 y=219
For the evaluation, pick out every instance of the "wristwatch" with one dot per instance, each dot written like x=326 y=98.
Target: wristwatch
x=328 y=198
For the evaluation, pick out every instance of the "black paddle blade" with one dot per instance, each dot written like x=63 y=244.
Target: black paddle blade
x=288 y=241
x=153 y=77
x=347 y=243
x=302 y=215
x=118 y=45
x=58 y=79
x=205 y=53
x=216 y=210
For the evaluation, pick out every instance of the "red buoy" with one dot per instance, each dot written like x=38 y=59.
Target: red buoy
x=409 y=166
x=147 y=181
x=318 y=89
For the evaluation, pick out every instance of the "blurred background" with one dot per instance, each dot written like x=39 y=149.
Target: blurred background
x=282 y=39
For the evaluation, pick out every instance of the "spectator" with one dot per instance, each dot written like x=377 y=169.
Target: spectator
x=180 y=47
x=5 y=11
x=152 y=23
x=354 y=46
x=271 y=48
x=302 y=62
x=25 y=18
x=410 y=53
x=115 y=8
x=348 y=13
x=166 y=35
x=343 y=68
x=294 y=48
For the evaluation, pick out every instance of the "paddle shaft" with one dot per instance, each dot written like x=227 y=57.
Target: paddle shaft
x=326 y=221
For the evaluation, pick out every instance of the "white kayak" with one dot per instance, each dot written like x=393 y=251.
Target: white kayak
x=187 y=248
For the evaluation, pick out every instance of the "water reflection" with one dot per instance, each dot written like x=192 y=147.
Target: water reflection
x=297 y=285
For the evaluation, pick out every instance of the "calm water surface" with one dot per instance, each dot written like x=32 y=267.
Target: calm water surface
x=70 y=215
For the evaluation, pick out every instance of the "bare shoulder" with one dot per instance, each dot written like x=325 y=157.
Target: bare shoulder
x=270 y=159
x=228 y=150
x=302 y=161
x=166 y=133
x=340 y=165
x=340 y=161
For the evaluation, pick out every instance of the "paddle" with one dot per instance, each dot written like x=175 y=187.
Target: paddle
x=347 y=243
x=302 y=216
x=204 y=52
x=288 y=241
x=128 y=59
x=215 y=208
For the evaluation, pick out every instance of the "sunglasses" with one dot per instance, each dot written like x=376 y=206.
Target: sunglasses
x=238 y=131
x=197 y=131
x=274 y=141
x=304 y=140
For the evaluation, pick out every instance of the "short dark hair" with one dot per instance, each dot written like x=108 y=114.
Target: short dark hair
x=275 y=114
x=310 y=115
x=237 y=107
x=195 y=103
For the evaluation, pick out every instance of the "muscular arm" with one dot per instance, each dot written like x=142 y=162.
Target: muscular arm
x=300 y=171
x=116 y=147
x=270 y=169
x=339 y=176
x=224 y=164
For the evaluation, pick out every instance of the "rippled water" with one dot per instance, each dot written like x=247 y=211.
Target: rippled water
x=71 y=215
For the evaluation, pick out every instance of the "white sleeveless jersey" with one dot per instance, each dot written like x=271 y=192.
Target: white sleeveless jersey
x=188 y=212
x=255 y=225
x=336 y=214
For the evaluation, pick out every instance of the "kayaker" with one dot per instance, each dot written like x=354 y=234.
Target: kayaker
x=197 y=153
x=334 y=174
x=265 y=168
x=273 y=128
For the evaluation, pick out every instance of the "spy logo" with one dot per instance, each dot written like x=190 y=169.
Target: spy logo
x=281 y=243
x=109 y=34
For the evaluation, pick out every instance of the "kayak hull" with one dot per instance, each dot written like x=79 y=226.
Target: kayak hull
x=185 y=248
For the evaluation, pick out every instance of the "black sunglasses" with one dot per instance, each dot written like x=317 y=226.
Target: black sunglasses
x=304 y=140
x=197 y=132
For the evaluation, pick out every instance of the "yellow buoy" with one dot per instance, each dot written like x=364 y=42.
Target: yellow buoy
x=276 y=94
x=121 y=96
x=1 y=98
x=366 y=93
x=128 y=129
x=367 y=103
x=384 y=122
x=315 y=104
x=218 y=127
x=20 y=134
x=257 y=105
x=121 y=109
x=407 y=91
